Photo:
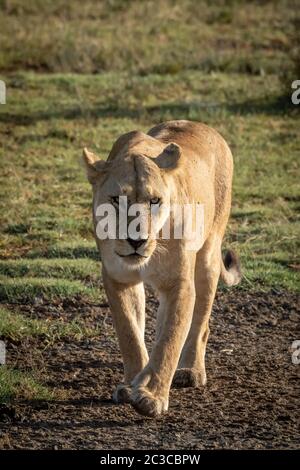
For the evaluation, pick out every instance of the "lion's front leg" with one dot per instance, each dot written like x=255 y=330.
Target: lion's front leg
x=191 y=369
x=127 y=303
x=150 y=389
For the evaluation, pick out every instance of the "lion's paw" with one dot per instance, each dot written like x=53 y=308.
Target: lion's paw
x=184 y=378
x=145 y=403
x=122 y=394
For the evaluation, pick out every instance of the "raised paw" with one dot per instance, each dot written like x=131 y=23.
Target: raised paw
x=145 y=403
x=184 y=378
x=122 y=394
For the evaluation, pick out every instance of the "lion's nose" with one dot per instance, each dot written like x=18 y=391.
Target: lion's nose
x=136 y=243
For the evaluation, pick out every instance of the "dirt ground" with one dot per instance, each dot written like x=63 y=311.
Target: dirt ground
x=251 y=399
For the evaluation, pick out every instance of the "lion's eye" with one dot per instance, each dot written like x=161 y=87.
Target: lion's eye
x=154 y=200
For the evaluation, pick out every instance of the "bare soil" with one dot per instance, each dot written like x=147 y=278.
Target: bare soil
x=251 y=399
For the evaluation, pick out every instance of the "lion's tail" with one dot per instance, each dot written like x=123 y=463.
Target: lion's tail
x=231 y=273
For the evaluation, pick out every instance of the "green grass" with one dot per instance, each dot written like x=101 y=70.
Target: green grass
x=75 y=79
x=85 y=270
x=14 y=326
x=16 y=384
x=164 y=36
x=27 y=289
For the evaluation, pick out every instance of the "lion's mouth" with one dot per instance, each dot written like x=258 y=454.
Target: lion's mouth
x=132 y=256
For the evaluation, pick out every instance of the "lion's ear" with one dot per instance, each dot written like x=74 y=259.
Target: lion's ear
x=94 y=167
x=169 y=158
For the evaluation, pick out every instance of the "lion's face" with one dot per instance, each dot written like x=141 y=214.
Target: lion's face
x=131 y=199
x=136 y=190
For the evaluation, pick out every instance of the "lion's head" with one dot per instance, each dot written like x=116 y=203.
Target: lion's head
x=135 y=184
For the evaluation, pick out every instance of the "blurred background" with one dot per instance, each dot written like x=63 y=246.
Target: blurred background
x=149 y=37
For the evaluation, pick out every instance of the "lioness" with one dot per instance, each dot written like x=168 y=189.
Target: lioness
x=176 y=162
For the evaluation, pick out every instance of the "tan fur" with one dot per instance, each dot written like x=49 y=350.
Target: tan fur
x=182 y=162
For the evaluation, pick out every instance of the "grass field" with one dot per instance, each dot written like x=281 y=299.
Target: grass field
x=80 y=74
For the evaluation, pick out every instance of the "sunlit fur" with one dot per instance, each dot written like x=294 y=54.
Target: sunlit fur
x=179 y=162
